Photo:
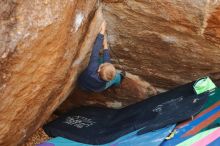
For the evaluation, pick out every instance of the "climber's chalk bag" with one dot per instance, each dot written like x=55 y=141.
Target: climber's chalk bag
x=203 y=85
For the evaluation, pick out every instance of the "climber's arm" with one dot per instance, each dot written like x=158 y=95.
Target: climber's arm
x=96 y=48
x=106 y=55
x=93 y=63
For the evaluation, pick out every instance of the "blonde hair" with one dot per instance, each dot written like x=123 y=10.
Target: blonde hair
x=107 y=71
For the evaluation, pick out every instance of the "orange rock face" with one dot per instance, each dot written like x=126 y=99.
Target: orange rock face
x=45 y=46
x=167 y=42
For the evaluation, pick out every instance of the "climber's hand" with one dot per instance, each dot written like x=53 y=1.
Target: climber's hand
x=103 y=28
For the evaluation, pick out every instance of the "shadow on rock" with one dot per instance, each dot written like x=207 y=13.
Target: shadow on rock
x=131 y=90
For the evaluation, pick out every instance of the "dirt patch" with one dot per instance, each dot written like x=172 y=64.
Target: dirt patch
x=38 y=137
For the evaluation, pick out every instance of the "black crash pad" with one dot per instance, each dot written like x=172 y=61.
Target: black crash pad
x=96 y=125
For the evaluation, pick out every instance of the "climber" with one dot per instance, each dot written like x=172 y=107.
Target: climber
x=100 y=73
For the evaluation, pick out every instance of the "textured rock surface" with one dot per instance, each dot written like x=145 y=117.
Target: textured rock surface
x=167 y=42
x=43 y=48
x=131 y=90
x=39 y=135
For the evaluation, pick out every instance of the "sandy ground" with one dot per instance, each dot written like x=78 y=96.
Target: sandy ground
x=38 y=137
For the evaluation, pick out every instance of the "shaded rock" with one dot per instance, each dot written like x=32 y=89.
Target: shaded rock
x=131 y=90
x=216 y=78
x=167 y=42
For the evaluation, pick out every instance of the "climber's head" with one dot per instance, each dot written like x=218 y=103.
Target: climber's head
x=107 y=71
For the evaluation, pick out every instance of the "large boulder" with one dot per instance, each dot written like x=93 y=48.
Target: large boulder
x=44 y=46
x=166 y=42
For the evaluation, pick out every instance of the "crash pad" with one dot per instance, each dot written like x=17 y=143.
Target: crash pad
x=96 y=125
x=208 y=137
x=153 y=138
x=207 y=119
